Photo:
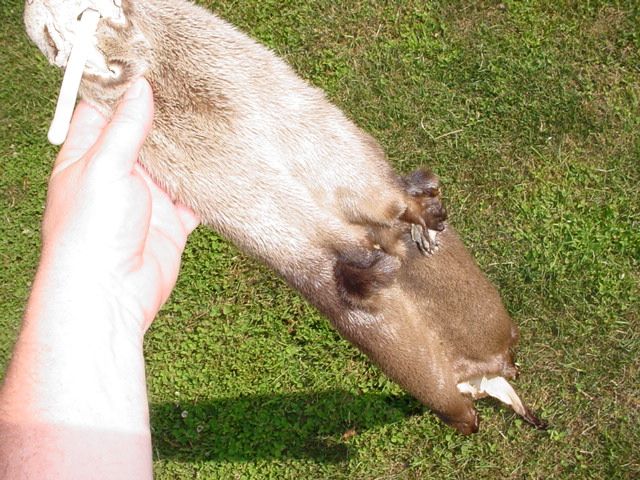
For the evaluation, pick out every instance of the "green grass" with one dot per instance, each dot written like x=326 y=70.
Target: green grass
x=529 y=111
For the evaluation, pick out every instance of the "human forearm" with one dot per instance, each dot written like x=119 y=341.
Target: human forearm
x=74 y=401
x=75 y=388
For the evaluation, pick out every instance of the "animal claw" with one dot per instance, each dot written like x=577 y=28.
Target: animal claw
x=427 y=242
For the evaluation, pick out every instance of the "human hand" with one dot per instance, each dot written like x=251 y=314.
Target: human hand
x=107 y=226
x=111 y=247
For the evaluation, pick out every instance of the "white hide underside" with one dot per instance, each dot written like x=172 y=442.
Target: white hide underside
x=496 y=387
x=75 y=39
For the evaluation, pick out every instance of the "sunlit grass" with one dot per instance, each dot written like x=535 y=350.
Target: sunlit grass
x=529 y=113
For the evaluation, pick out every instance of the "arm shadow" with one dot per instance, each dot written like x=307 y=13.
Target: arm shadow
x=313 y=425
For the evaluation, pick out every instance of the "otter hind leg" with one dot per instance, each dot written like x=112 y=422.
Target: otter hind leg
x=501 y=389
x=425 y=211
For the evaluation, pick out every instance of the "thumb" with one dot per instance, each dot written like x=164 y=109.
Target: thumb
x=125 y=134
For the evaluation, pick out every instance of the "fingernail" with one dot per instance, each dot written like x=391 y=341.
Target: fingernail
x=135 y=90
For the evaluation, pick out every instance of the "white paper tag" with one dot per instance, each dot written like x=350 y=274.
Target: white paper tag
x=72 y=76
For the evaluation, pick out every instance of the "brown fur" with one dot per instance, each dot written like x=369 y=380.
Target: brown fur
x=332 y=217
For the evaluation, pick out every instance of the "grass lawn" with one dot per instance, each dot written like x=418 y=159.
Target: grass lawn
x=530 y=112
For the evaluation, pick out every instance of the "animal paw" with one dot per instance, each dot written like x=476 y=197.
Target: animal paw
x=425 y=211
x=427 y=242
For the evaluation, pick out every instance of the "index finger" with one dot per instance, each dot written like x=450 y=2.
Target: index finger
x=85 y=129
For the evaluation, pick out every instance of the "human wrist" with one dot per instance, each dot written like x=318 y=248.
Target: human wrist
x=79 y=362
x=75 y=393
x=86 y=282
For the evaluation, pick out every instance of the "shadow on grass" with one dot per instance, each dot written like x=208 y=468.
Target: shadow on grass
x=299 y=425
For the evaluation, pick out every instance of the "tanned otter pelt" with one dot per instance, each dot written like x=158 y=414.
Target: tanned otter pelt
x=327 y=211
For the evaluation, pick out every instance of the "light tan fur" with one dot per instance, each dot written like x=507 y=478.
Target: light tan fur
x=268 y=162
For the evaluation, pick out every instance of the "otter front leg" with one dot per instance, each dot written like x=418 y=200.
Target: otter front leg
x=424 y=211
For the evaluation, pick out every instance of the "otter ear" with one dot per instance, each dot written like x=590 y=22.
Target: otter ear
x=360 y=275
